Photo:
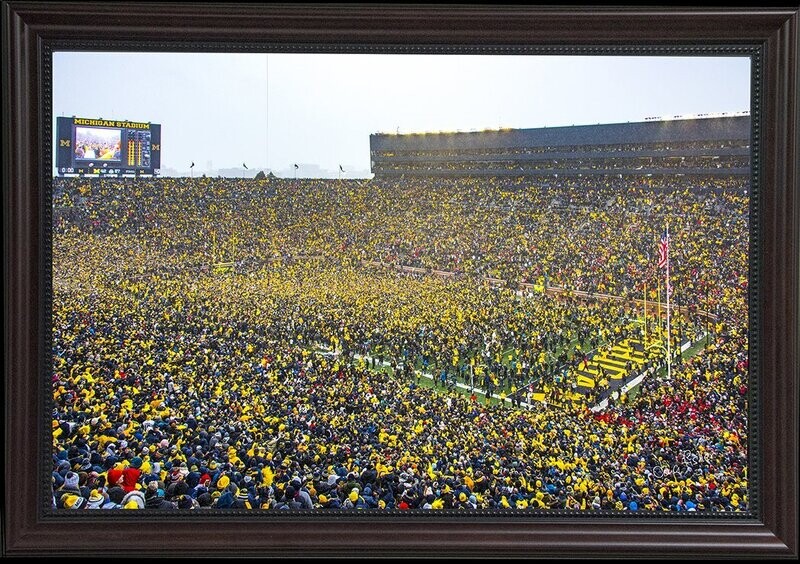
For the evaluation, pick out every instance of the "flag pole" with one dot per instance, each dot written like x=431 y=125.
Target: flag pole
x=658 y=335
x=669 y=332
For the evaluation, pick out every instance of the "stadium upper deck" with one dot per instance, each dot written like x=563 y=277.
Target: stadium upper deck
x=707 y=146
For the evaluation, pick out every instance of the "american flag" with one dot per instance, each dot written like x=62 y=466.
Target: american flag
x=663 y=250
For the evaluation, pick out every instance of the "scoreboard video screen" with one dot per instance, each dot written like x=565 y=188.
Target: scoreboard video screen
x=107 y=147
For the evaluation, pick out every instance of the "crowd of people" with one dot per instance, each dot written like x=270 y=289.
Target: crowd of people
x=565 y=232
x=661 y=147
x=176 y=387
x=628 y=158
x=564 y=164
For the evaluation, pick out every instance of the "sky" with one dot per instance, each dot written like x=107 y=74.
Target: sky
x=270 y=111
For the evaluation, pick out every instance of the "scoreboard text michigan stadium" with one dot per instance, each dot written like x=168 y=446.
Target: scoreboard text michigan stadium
x=107 y=147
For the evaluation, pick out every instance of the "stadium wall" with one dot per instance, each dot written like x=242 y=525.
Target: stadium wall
x=722 y=143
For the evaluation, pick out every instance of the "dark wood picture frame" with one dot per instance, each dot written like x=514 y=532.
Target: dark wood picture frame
x=29 y=28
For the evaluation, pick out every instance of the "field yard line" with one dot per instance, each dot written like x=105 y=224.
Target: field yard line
x=431 y=377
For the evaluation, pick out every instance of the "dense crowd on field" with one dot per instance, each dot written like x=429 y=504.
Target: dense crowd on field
x=300 y=380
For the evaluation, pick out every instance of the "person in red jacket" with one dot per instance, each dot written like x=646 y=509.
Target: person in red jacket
x=132 y=474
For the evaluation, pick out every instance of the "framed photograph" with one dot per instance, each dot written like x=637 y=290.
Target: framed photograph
x=422 y=281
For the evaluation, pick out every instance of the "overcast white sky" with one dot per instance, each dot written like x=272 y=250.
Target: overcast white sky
x=271 y=111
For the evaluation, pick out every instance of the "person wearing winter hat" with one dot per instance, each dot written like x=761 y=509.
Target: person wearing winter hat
x=58 y=480
x=333 y=502
x=302 y=495
x=114 y=474
x=333 y=478
x=63 y=467
x=134 y=496
x=193 y=478
x=242 y=500
x=154 y=497
x=186 y=502
x=71 y=484
x=291 y=498
x=178 y=488
x=115 y=496
x=96 y=500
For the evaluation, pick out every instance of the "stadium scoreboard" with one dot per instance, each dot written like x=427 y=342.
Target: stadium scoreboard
x=107 y=147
